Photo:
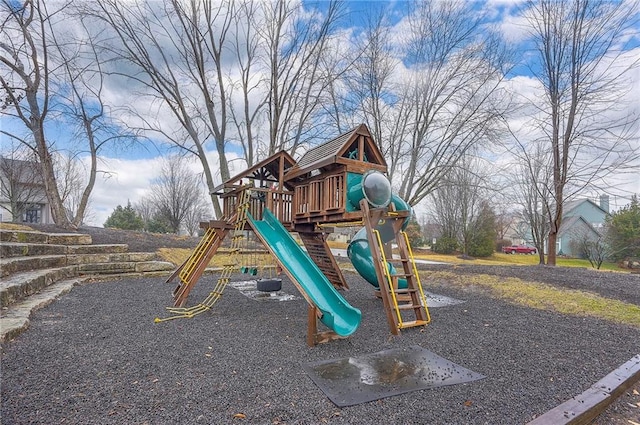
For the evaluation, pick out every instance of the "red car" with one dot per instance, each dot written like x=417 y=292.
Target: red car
x=519 y=249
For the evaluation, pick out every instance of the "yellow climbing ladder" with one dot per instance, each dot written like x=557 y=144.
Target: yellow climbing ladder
x=194 y=266
x=201 y=257
x=410 y=299
x=404 y=307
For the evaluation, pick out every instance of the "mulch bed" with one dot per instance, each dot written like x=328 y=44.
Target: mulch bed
x=96 y=356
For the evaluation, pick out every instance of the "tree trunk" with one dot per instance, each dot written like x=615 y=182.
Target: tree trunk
x=58 y=212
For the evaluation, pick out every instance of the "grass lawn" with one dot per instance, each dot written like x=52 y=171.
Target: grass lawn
x=498 y=259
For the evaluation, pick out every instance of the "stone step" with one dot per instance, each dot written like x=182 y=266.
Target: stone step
x=28 y=236
x=125 y=267
x=19 y=249
x=15 y=319
x=9 y=266
x=21 y=285
x=97 y=249
x=111 y=257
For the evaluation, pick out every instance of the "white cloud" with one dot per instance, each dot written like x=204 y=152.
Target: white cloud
x=123 y=180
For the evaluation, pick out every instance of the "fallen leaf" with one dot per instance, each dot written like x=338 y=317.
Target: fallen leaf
x=635 y=392
x=468 y=403
x=239 y=416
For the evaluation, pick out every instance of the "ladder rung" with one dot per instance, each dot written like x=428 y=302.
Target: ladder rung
x=402 y=275
x=405 y=290
x=409 y=306
x=413 y=323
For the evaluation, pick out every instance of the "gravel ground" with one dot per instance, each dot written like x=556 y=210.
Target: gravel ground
x=96 y=357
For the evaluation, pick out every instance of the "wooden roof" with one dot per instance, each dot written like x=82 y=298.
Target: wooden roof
x=271 y=169
x=355 y=146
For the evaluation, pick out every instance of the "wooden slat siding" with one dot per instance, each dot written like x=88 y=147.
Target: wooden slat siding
x=320 y=253
x=302 y=199
x=315 y=196
x=335 y=192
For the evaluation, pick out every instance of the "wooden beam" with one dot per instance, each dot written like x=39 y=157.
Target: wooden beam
x=584 y=408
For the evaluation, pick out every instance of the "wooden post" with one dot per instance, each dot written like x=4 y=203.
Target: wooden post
x=371 y=218
x=313 y=336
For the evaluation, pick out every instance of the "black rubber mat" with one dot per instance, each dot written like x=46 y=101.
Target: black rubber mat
x=355 y=380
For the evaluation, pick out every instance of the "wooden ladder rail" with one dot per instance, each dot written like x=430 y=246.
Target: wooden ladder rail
x=418 y=301
x=194 y=267
x=241 y=219
x=390 y=293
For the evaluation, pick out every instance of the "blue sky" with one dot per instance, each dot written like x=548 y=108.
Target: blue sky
x=132 y=169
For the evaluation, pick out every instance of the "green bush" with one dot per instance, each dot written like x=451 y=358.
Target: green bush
x=623 y=234
x=445 y=245
x=482 y=247
x=124 y=218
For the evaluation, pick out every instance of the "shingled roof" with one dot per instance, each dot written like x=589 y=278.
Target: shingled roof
x=320 y=152
x=338 y=150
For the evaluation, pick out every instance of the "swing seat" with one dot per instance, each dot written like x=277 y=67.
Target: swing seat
x=244 y=269
x=269 y=285
x=254 y=271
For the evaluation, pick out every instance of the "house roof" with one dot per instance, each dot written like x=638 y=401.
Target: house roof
x=24 y=172
x=569 y=223
x=570 y=206
x=269 y=170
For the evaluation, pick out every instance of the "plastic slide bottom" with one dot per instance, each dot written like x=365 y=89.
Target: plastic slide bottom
x=337 y=314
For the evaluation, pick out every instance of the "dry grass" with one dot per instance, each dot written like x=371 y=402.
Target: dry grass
x=545 y=297
x=222 y=257
x=499 y=259
x=14 y=226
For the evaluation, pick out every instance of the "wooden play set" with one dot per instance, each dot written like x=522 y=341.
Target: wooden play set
x=338 y=183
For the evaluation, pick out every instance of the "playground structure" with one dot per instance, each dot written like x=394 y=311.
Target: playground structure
x=339 y=183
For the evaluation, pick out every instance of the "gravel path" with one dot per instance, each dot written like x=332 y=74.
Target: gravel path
x=96 y=357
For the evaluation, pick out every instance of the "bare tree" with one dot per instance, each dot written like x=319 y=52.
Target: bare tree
x=431 y=97
x=247 y=95
x=25 y=80
x=533 y=193
x=460 y=199
x=373 y=86
x=80 y=88
x=453 y=92
x=300 y=67
x=581 y=67
x=176 y=192
x=177 y=51
x=71 y=179
x=593 y=248
x=195 y=216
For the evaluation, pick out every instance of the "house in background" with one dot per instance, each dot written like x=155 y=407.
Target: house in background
x=582 y=219
x=23 y=197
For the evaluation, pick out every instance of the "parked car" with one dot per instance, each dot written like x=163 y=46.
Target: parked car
x=519 y=249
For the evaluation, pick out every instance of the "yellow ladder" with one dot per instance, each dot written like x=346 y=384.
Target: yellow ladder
x=410 y=299
x=228 y=269
x=194 y=266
